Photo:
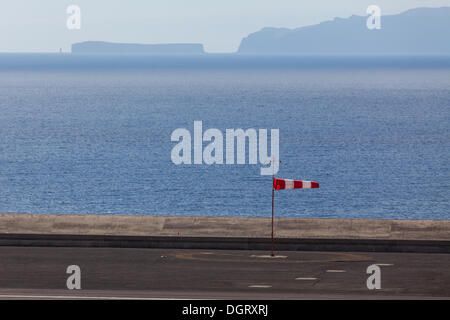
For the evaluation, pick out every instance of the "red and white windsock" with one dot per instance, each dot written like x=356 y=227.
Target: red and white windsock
x=279 y=184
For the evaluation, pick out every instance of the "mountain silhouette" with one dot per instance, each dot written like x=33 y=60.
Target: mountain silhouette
x=416 y=31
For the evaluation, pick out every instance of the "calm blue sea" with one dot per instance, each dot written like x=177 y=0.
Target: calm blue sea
x=91 y=134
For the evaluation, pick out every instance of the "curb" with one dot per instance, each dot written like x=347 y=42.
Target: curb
x=224 y=243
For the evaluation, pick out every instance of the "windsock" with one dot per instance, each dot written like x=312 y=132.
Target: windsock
x=279 y=184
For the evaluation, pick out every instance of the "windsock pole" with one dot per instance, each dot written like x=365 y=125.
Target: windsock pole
x=273 y=197
x=280 y=184
x=273 y=194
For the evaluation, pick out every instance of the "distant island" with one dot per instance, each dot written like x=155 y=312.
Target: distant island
x=416 y=31
x=101 y=47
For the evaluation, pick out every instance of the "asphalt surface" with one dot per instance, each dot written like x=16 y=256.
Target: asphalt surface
x=110 y=273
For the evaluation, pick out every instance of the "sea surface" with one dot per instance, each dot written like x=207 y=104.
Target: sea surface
x=92 y=134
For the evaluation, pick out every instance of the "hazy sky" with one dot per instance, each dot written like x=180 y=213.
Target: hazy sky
x=40 y=25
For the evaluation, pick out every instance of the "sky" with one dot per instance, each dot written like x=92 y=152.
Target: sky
x=40 y=26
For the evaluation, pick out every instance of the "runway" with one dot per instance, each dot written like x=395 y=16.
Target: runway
x=127 y=273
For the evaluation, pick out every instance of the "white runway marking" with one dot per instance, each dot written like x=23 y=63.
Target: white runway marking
x=310 y=279
x=17 y=296
x=259 y=286
x=267 y=256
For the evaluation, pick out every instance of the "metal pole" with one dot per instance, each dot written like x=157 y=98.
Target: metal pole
x=273 y=192
x=273 y=196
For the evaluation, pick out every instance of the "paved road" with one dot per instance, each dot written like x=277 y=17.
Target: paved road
x=40 y=272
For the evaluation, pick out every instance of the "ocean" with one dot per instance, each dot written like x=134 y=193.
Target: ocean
x=92 y=134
